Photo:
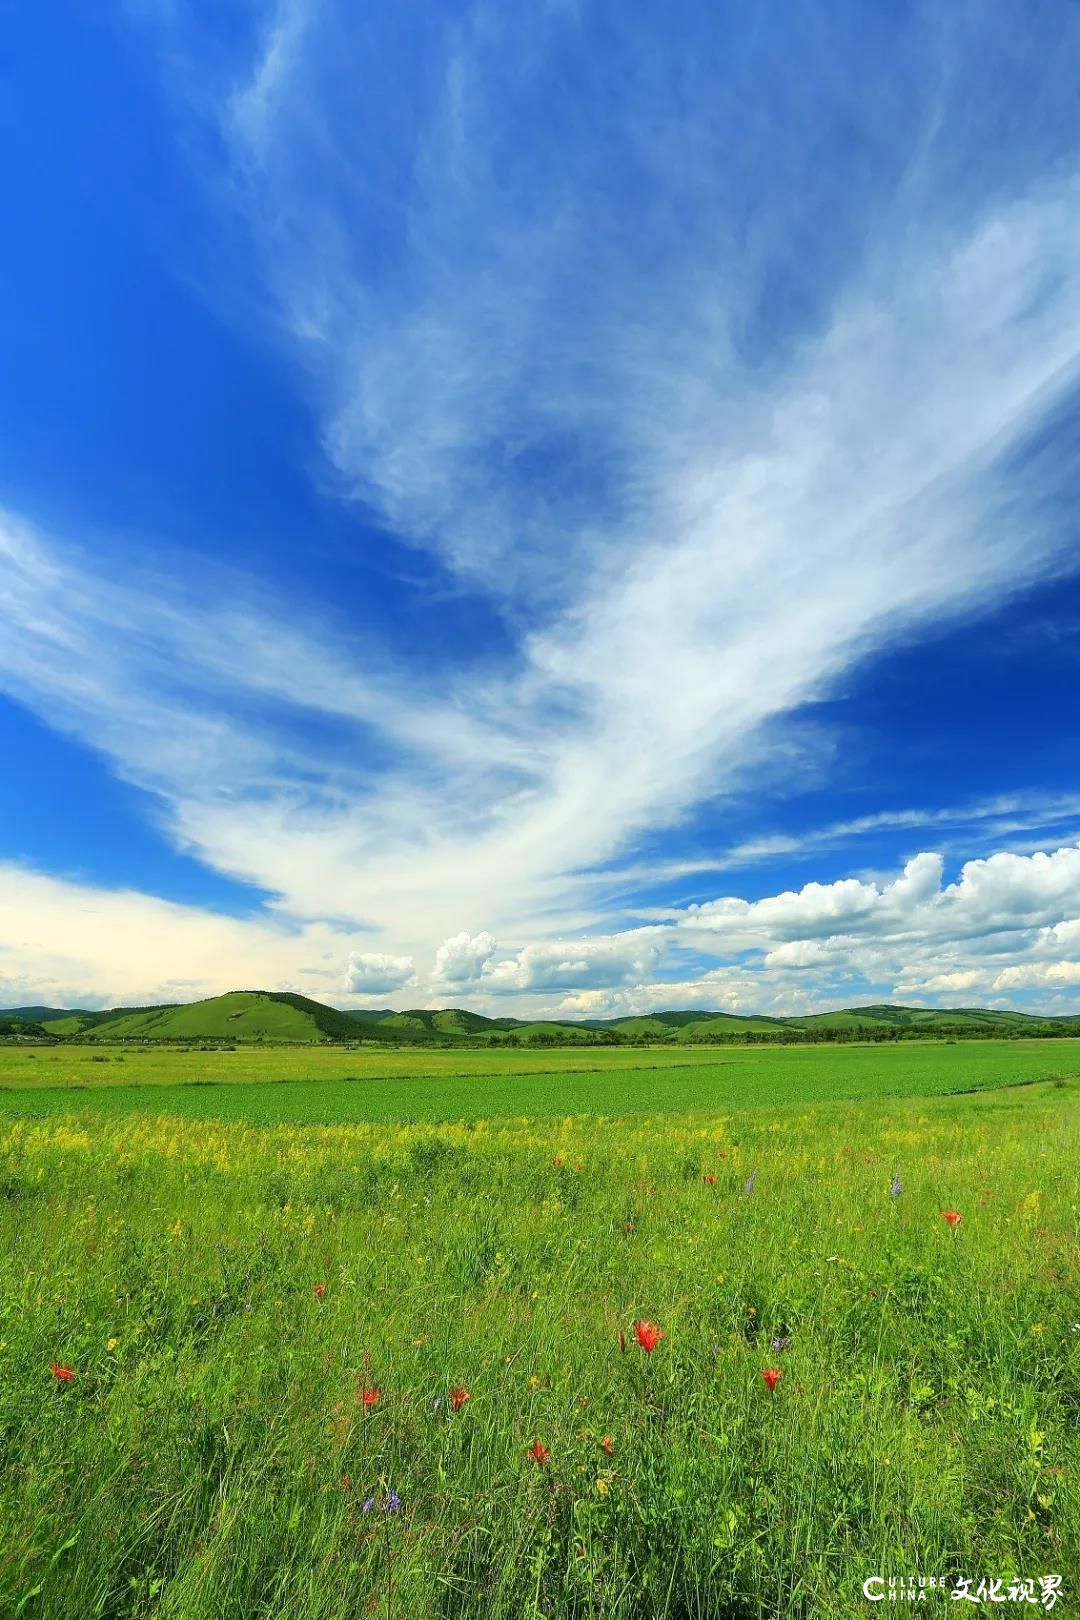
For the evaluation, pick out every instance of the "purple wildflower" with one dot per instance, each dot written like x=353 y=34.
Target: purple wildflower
x=391 y=1502
x=896 y=1187
x=751 y=1182
x=781 y=1342
x=369 y=1504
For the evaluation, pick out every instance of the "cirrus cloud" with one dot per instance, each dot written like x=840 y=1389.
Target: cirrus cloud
x=698 y=409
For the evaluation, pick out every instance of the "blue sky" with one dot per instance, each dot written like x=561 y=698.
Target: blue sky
x=565 y=508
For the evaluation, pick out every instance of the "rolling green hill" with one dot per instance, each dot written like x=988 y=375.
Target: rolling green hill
x=39 y=1015
x=930 y=1020
x=21 y=1029
x=266 y=1015
x=426 y=1024
x=694 y=1026
x=78 y=1023
x=240 y=1015
x=728 y=1024
x=543 y=1032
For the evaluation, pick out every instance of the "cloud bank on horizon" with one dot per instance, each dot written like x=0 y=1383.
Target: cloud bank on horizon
x=670 y=374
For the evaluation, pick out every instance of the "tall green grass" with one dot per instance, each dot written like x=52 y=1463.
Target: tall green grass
x=212 y=1457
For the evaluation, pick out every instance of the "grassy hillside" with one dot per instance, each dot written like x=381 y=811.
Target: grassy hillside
x=22 y=1030
x=728 y=1024
x=38 y=1015
x=931 y=1020
x=239 y=1015
x=689 y=1026
x=558 y=1034
x=80 y=1023
x=424 y=1024
x=658 y=1022
x=279 y=1016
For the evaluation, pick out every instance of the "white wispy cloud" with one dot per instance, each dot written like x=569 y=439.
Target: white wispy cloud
x=543 y=351
x=747 y=529
x=1021 y=819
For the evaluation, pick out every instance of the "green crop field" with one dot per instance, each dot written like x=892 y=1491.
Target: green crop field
x=74 y=1065
x=319 y=1085
x=268 y=1352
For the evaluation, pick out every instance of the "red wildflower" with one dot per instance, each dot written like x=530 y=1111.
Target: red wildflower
x=721 y=1155
x=62 y=1371
x=319 y=1290
x=648 y=1335
x=709 y=1180
x=580 y=1165
x=952 y=1216
x=458 y=1397
x=370 y=1397
x=772 y=1376
x=607 y=1445
x=558 y=1163
x=539 y=1453
x=628 y=1226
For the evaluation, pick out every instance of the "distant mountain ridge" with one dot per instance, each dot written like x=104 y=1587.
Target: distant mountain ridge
x=274 y=1015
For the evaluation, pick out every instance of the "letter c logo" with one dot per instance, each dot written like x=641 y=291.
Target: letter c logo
x=875 y=1597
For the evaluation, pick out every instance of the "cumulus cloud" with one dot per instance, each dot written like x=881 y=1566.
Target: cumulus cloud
x=1007 y=924
x=463 y=958
x=374 y=973
x=1035 y=975
x=737 y=989
x=1002 y=893
x=576 y=965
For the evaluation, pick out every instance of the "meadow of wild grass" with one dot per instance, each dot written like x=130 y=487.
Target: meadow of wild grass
x=326 y=1085
x=309 y=1372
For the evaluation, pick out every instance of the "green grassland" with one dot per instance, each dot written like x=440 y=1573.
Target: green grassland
x=75 y=1065
x=324 y=1086
x=213 y=1456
